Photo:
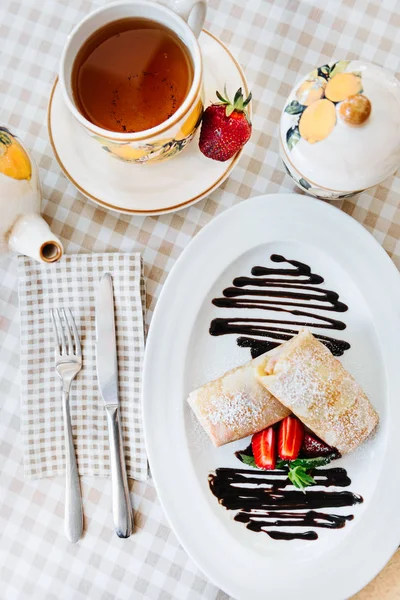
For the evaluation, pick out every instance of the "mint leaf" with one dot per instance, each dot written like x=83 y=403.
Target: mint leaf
x=298 y=469
x=248 y=460
x=306 y=463
x=300 y=478
x=312 y=463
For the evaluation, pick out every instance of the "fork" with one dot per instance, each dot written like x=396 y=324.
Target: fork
x=68 y=357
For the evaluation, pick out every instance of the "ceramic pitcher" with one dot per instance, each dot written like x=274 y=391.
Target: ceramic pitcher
x=22 y=229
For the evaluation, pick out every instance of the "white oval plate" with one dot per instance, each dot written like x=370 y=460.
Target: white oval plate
x=181 y=355
x=151 y=189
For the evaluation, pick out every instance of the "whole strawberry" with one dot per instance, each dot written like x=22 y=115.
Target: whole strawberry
x=225 y=127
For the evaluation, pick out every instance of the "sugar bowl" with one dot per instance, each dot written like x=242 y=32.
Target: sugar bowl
x=340 y=129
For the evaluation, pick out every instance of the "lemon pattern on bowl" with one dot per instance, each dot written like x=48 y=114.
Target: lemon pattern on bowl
x=315 y=103
x=14 y=161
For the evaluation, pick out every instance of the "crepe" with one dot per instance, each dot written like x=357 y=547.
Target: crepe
x=308 y=380
x=236 y=405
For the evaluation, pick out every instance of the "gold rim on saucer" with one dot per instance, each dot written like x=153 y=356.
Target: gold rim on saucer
x=156 y=211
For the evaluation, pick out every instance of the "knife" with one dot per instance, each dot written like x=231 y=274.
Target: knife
x=107 y=377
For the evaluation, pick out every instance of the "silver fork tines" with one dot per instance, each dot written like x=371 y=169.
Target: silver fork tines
x=59 y=333
x=68 y=356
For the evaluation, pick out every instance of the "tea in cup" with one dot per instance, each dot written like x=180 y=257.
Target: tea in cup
x=131 y=74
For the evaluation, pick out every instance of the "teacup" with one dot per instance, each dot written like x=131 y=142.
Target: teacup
x=170 y=137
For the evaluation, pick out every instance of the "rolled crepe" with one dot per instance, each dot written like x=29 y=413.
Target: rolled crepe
x=236 y=405
x=308 y=380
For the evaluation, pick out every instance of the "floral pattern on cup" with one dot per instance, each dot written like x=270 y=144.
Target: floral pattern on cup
x=158 y=150
x=314 y=106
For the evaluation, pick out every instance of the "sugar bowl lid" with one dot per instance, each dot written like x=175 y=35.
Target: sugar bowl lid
x=340 y=126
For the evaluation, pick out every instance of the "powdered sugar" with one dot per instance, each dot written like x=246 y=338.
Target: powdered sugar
x=317 y=388
x=235 y=405
x=234 y=411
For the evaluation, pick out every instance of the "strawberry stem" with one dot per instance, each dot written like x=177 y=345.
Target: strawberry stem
x=239 y=103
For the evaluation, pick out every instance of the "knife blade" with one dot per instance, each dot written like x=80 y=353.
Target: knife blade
x=107 y=376
x=106 y=345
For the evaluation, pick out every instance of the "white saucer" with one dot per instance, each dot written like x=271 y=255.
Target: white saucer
x=145 y=189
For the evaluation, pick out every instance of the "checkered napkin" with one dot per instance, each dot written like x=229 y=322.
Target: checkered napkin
x=72 y=282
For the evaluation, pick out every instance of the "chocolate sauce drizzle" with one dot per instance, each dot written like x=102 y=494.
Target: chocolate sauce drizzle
x=280 y=290
x=267 y=499
x=262 y=500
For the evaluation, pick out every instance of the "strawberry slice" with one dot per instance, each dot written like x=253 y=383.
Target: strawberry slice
x=291 y=433
x=313 y=447
x=263 y=445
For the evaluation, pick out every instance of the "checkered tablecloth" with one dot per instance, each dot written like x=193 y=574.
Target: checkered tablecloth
x=275 y=41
